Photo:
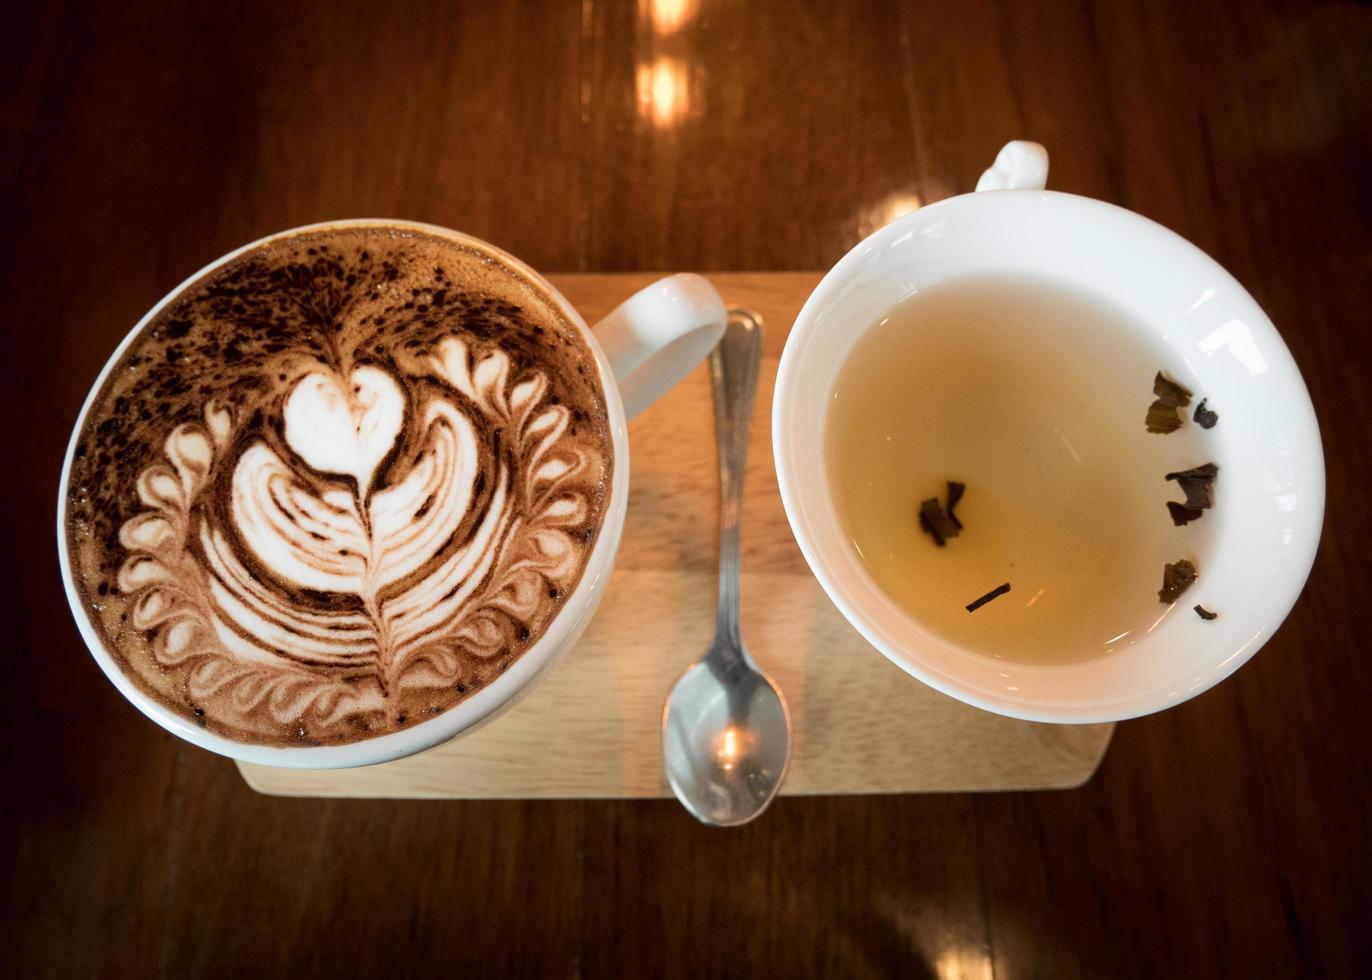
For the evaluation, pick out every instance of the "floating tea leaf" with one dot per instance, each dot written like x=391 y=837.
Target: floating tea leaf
x=1181 y=514
x=1161 y=419
x=1162 y=414
x=935 y=522
x=999 y=590
x=928 y=529
x=1170 y=393
x=1176 y=579
x=1197 y=484
x=1206 y=614
x=1205 y=418
x=955 y=492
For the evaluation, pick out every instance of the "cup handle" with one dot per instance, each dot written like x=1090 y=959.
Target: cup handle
x=1020 y=166
x=656 y=336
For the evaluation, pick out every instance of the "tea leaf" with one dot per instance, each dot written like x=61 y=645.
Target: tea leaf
x=935 y=522
x=1181 y=514
x=1176 y=579
x=1197 y=483
x=955 y=492
x=999 y=590
x=1169 y=393
x=1162 y=414
x=1205 y=418
x=1162 y=419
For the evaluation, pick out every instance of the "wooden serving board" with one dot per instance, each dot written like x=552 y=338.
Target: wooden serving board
x=590 y=728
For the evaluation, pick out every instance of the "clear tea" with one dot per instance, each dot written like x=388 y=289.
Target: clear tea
x=1034 y=397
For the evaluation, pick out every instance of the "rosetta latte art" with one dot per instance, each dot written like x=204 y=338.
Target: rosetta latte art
x=393 y=560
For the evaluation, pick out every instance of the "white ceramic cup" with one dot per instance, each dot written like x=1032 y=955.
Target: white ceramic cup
x=1270 y=501
x=641 y=349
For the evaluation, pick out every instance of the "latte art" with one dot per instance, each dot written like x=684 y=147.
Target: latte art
x=368 y=544
x=389 y=554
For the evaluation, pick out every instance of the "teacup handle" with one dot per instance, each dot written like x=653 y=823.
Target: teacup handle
x=656 y=336
x=1020 y=166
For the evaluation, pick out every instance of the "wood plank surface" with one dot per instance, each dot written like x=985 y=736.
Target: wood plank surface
x=591 y=728
x=1225 y=838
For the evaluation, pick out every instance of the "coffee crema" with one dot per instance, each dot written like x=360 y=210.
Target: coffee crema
x=338 y=485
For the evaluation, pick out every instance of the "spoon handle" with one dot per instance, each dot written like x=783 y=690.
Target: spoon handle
x=733 y=377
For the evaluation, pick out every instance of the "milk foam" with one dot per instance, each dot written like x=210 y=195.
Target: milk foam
x=368 y=535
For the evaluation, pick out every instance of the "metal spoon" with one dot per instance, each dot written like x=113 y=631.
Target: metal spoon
x=726 y=732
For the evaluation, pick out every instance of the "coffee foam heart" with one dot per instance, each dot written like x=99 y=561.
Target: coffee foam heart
x=345 y=425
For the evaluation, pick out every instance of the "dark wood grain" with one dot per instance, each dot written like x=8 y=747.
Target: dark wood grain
x=1228 y=836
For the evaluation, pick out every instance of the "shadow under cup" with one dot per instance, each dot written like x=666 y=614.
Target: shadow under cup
x=1261 y=535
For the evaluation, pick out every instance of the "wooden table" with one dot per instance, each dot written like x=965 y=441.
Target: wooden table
x=1226 y=837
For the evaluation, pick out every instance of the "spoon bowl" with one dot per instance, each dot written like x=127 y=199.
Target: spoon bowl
x=726 y=740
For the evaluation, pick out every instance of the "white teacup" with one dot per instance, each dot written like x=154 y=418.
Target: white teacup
x=641 y=349
x=1268 y=443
